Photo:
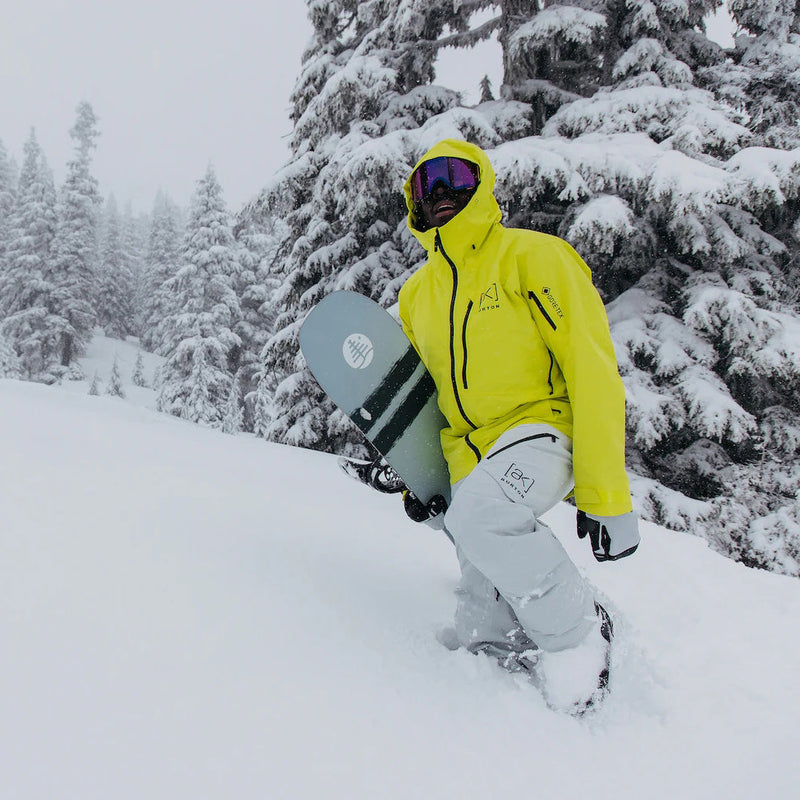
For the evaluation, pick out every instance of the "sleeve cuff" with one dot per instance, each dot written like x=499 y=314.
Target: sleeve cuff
x=606 y=504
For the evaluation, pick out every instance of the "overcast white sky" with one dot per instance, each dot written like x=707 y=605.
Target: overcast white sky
x=175 y=84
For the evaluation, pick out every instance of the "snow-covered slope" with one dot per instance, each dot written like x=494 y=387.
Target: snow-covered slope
x=185 y=614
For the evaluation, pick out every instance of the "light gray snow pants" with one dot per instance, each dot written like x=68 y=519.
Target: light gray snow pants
x=513 y=568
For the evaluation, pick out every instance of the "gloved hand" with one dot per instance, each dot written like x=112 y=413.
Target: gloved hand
x=431 y=513
x=611 y=537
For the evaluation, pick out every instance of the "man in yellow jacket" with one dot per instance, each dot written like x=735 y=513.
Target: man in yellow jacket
x=516 y=338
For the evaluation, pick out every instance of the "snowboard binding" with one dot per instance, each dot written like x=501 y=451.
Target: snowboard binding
x=376 y=474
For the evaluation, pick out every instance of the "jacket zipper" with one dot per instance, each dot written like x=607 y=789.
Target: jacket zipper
x=464 y=345
x=440 y=247
x=542 y=309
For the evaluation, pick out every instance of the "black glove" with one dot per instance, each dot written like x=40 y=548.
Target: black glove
x=431 y=513
x=611 y=537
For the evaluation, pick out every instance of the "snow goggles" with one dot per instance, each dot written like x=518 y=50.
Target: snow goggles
x=449 y=171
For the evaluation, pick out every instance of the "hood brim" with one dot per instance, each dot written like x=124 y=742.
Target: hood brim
x=459 y=149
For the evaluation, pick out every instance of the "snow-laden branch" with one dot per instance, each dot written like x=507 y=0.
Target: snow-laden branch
x=460 y=39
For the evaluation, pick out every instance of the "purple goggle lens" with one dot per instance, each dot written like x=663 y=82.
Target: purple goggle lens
x=453 y=173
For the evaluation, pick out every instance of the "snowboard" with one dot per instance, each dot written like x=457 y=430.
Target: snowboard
x=364 y=362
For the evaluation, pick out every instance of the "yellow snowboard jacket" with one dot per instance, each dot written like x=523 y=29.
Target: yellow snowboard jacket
x=512 y=330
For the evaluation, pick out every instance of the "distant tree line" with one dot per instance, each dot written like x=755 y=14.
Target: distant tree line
x=188 y=288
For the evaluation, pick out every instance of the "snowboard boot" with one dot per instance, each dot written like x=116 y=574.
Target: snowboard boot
x=576 y=680
x=515 y=653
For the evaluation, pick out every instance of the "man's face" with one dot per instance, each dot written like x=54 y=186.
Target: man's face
x=442 y=205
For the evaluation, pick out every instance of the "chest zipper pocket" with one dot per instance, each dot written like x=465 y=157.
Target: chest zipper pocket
x=464 y=346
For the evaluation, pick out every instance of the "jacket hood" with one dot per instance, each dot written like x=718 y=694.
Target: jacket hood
x=472 y=224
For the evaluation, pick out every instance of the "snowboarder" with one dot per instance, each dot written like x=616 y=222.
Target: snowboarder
x=516 y=338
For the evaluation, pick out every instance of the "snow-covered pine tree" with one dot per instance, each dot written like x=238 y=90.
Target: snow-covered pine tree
x=7 y=193
x=75 y=245
x=233 y=415
x=263 y=403
x=360 y=106
x=9 y=362
x=114 y=387
x=202 y=350
x=256 y=285
x=486 y=90
x=108 y=257
x=94 y=387
x=199 y=406
x=160 y=266
x=114 y=296
x=137 y=377
x=27 y=291
x=135 y=230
